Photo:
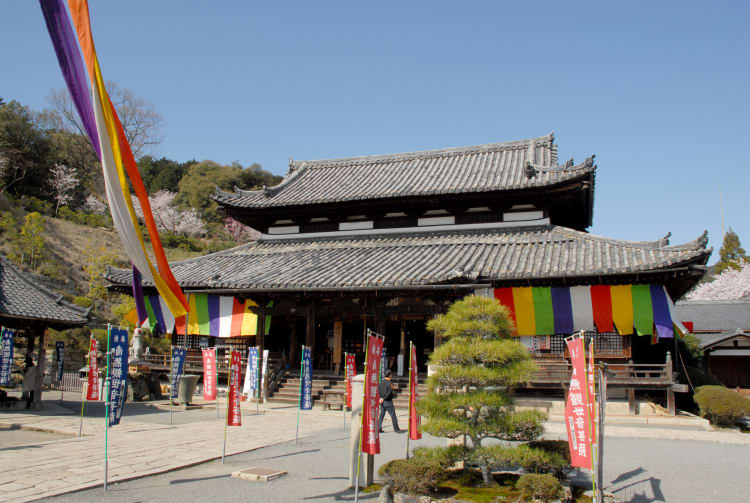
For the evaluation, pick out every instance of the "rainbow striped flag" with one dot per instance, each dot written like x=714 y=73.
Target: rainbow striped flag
x=566 y=310
x=107 y=135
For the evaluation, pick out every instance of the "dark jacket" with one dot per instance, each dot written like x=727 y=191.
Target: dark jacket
x=385 y=390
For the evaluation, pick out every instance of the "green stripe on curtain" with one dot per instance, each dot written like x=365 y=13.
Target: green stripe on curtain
x=150 y=311
x=543 y=313
x=643 y=313
x=268 y=320
x=201 y=306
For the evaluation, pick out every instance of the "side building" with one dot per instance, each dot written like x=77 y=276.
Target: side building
x=387 y=242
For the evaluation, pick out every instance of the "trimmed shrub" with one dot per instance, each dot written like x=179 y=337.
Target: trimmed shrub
x=532 y=460
x=543 y=488
x=418 y=475
x=720 y=405
x=557 y=446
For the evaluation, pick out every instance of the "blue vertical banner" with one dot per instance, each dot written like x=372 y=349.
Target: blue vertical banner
x=178 y=365
x=251 y=375
x=118 y=374
x=383 y=362
x=60 y=353
x=6 y=355
x=306 y=401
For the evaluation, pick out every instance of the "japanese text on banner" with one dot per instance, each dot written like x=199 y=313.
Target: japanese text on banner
x=60 y=354
x=92 y=388
x=351 y=371
x=577 y=407
x=371 y=404
x=234 y=414
x=178 y=365
x=209 y=374
x=251 y=374
x=118 y=374
x=6 y=355
x=306 y=401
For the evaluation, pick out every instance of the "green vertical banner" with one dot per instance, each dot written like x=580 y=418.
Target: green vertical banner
x=201 y=306
x=543 y=312
x=643 y=311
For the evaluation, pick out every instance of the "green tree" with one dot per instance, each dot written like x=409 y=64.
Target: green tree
x=475 y=369
x=96 y=260
x=121 y=310
x=27 y=246
x=24 y=151
x=731 y=254
x=162 y=174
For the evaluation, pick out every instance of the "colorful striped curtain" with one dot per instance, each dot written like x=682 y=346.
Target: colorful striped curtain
x=602 y=308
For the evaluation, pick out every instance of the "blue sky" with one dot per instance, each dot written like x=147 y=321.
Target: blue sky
x=657 y=90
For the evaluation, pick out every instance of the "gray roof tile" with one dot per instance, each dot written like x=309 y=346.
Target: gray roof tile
x=423 y=258
x=21 y=297
x=715 y=315
x=481 y=168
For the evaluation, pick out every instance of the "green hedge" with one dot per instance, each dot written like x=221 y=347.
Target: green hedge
x=720 y=405
x=545 y=488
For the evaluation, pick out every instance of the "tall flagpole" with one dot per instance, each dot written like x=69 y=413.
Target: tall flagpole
x=299 y=398
x=85 y=386
x=258 y=370
x=408 y=430
x=362 y=422
x=171 y=379
x=346 y=380
x=106 y=409
x=226 y=419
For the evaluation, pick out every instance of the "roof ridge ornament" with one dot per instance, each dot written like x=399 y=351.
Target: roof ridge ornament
x=589 y=162
x=665 y=240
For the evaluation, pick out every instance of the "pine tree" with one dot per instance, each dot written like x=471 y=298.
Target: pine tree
x=731 y=254
x=475 y=369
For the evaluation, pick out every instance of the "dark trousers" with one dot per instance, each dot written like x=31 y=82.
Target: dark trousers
x=388 y=406
x=29 y=399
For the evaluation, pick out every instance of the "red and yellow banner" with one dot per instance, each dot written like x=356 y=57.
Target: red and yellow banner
x=577 y=407
x=371 y=402
x=351 y=371
x=414 y=419
x=234 y=414
x=92 y=390
x=209 y=374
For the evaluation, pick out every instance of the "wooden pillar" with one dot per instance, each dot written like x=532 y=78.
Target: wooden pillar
x=671 y=406
x=310 y=328
x=370 y=473
x=631 y=401
x=292 y=342
x=337 y=344
x=260 y=339
x=41 y=364
x=402 y=345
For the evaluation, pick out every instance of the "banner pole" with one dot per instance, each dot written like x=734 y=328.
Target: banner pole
x=299 y=397
x=216 y=364
x=226 y=419
x=362 y=422
x=408 y=419
x=171 y=380
x=258 y=370
x=85 y=386
x=106 y=409
x=590 y=420
x=346 y=380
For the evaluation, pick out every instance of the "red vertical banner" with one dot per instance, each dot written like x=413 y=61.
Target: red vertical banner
x=577 y=407
x=351 y=371
x=371 y=403
x=209 y=374
x=590 y=375
x=234 y=415
x=92 y=390
x=414 y=420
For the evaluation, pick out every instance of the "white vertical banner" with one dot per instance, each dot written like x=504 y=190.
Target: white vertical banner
x=264 y=369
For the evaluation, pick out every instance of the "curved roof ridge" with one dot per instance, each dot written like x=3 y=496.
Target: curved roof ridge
x=696 y=244
x=418 y=154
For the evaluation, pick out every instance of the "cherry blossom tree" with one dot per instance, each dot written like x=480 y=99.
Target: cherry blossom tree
x=95 y=206
x=731 y=284
x=64 y=180
x=169 y=218
x=239 y=232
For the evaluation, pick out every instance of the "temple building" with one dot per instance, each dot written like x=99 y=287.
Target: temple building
x=386 y=242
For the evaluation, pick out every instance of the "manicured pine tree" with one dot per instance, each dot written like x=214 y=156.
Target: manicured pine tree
x=475 y=370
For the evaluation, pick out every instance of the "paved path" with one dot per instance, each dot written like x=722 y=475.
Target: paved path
x=649 y=456
x=139 y=446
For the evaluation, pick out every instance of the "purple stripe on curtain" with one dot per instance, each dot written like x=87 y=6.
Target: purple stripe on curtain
x=660 y=305
x=213 y=315
x=140 y=303
x=71 y=65
x=156 y=308
x=563 y=309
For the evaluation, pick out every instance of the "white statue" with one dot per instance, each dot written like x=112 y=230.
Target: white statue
x=358 y=387
x=136 y=345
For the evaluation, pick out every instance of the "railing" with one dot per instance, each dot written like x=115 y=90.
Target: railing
x=638 y=374
x=72 y=381
x=193 y=363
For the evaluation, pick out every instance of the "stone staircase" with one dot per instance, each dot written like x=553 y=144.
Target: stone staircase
x=288 y=391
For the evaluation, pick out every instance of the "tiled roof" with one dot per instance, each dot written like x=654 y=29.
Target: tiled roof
x=522 y=164
x=425 y=258
x=715 y=315
x=20 y=297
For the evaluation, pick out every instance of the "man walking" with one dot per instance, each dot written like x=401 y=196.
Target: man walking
x=385 y=389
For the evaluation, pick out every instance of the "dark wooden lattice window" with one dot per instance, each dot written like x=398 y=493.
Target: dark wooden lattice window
x=609 y=342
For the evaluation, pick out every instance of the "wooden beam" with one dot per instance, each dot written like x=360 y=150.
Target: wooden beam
x=310 y=328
